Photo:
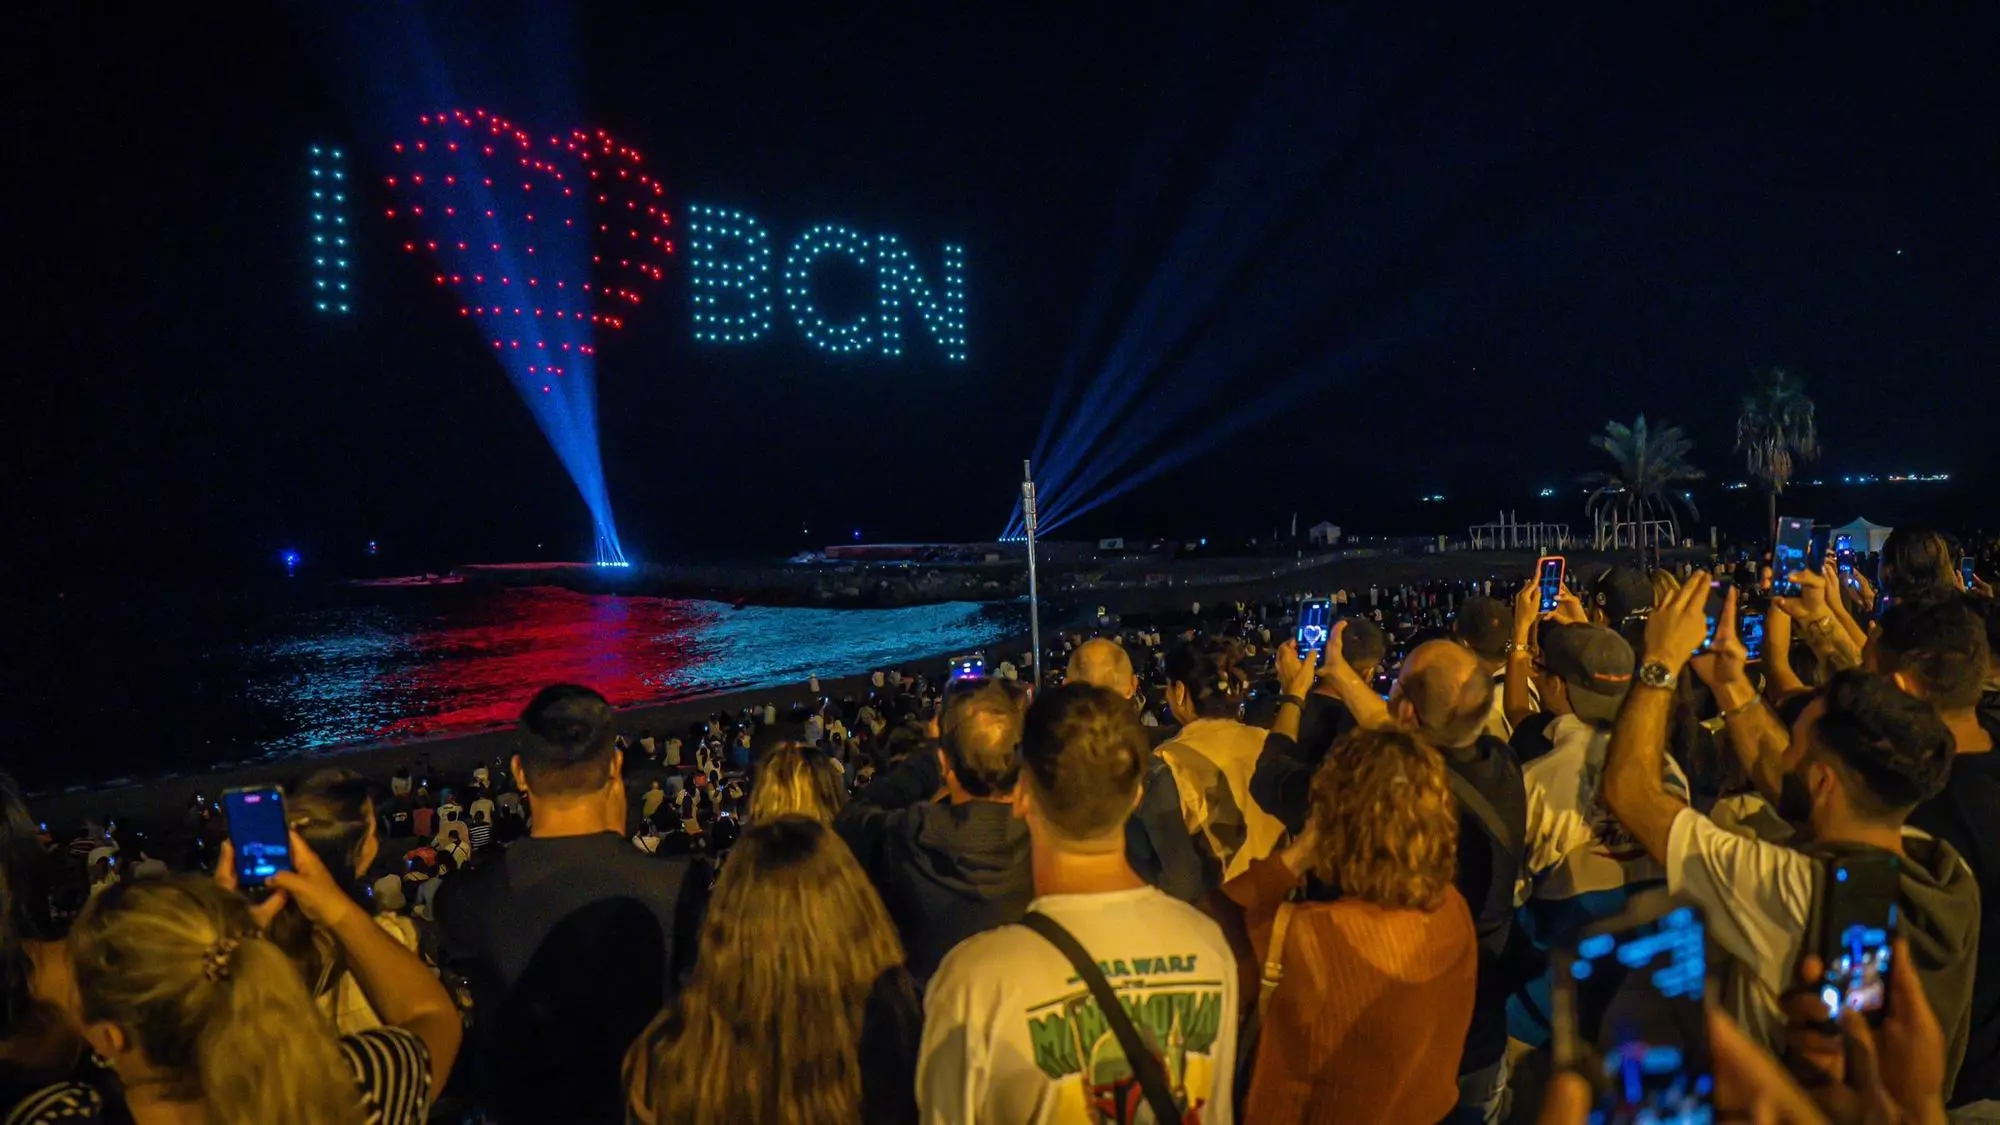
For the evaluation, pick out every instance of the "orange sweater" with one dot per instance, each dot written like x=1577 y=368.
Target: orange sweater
x=1371 y=1015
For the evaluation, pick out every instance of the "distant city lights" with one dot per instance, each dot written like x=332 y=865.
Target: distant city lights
x=1857 y=478
x=1433 y=498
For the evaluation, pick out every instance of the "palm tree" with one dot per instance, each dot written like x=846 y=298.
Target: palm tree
x=1649 y=468
x=1774 y=429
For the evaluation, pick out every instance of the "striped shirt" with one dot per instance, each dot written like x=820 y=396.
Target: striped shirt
x=391 y=1068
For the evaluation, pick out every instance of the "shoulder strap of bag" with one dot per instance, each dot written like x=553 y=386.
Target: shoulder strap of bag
x=1475 y=802
x=1145 y=1065
x=1274 y=957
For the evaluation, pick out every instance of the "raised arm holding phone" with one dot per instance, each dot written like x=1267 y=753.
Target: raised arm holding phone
x=397 y=983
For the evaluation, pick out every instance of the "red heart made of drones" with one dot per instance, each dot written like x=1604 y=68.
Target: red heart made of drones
x=542 y=239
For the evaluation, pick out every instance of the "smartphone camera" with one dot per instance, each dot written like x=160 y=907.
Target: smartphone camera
x=1750 y=630
x=1791 y=555
x=1549 y=577
x=1858 y=925
x=259 y=836
x=1718 y=594
x=1629 y=1015
x=1315 y=627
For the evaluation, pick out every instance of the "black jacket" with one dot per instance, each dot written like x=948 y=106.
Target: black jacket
x=1962 y=816
x=945 y=871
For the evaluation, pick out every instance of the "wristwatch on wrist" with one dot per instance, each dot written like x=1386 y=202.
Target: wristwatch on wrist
x=1654 y=674
x=1517 y=646
x=1298 y=701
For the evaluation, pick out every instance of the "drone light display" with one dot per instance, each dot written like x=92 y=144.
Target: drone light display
x=543 y=238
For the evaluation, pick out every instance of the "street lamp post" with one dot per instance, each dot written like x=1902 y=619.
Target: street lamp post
x=1034 y=593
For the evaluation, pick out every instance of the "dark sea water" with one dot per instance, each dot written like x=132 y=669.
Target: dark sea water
x=180 y=683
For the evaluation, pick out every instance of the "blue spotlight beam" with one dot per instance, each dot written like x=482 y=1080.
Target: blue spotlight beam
x=390 y=69
x=1285 y=394
x=507 y=227
x=1283 y=145
x=1140 y=196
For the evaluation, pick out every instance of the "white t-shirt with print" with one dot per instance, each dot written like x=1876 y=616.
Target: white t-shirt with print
x=1758 y=899
x=1574 y=845
x=1012 y=1035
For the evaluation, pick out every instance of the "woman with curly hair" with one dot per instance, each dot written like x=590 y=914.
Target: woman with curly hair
x=1396 y=951
x=800 y=1011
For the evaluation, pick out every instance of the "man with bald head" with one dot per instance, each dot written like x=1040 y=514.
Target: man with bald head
x=1106 y=664
x=1157 y=843
x=1444 y=694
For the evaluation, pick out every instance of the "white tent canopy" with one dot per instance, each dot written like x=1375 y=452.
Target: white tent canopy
x=1867 y=536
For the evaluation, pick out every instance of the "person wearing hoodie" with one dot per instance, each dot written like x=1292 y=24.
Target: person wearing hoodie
x=1861 y=756
x=953 y=868
x=1936 y=648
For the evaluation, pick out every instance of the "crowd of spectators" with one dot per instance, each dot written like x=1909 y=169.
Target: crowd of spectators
x=1186 y=873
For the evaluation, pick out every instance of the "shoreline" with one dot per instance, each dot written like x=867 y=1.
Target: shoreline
x=152 y=798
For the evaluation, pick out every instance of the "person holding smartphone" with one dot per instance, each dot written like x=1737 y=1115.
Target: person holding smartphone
x=203 y=1019
x=1862 y=755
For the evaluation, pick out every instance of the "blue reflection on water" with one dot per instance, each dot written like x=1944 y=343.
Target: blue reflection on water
x=760 y=646
x=327 y=679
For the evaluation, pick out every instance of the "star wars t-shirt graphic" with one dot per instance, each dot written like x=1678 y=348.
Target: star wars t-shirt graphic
x=1011 y=1033
x=1178 y=1018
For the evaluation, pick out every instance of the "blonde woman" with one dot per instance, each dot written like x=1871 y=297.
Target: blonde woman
x=1378 y=986
x=1665 y=585
x=204 y=1020
x=794 y=779
x=799 y=1012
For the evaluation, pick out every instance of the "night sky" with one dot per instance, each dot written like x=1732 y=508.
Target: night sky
x=1479 y=233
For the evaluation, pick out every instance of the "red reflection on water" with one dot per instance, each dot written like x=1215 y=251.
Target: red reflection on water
x=488 y=658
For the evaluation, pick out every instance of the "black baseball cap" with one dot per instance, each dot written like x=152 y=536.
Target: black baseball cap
x=1620 y=592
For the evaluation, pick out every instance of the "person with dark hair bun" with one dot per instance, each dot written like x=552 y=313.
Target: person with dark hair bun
x=1215 y=754
x=333 y=810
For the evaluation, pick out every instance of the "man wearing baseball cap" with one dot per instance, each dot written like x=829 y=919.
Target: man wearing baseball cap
x=1621 y=599
x=1582 y=862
